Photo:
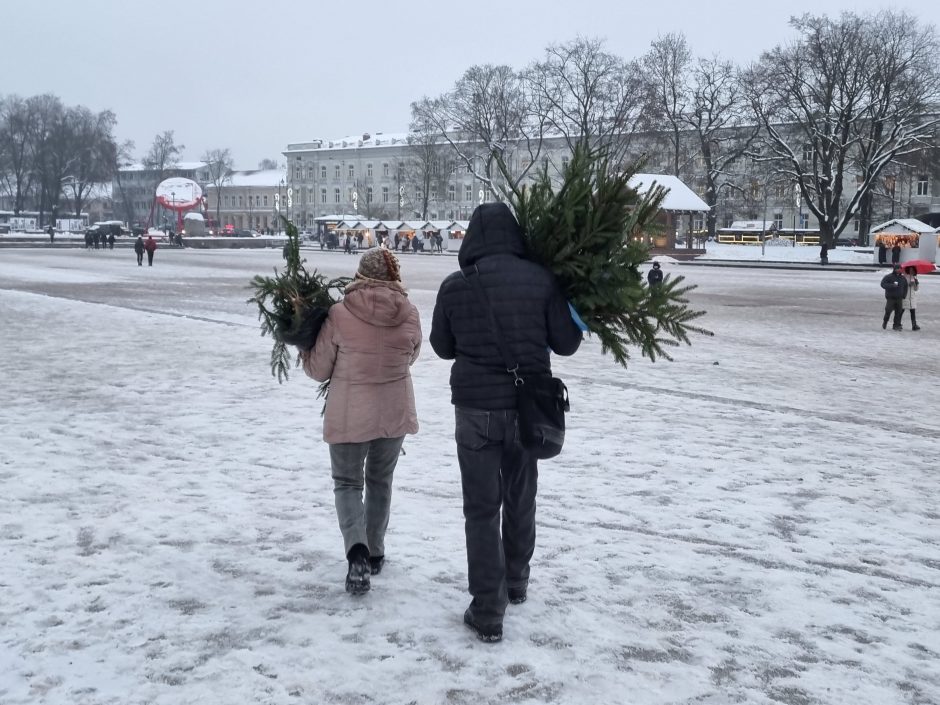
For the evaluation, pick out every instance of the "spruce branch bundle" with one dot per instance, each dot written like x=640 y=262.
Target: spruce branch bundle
x=293 y=303
x=587 y=233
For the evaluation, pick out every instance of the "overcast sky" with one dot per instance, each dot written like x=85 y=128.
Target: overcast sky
x=254 y=75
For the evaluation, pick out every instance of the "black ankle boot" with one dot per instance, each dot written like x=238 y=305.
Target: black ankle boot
x=357 y=578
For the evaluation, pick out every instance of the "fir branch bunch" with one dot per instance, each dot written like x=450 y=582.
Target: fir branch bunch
x=288 y=299
x=587 y=233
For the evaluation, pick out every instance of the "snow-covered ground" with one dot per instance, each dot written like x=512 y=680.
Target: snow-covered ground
x=780 y=251
x=756 y=522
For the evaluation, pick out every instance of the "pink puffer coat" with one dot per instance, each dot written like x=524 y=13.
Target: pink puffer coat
x=366 y=348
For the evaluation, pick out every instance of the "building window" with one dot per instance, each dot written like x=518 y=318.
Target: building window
x=241 y=201
x=468 y=192
x=369 y=170
x=778 y=220
x=385 y=169
x=433 y=192
x=369 y=194
x=923 y=185
x=352 y=172
x=336 y=194
x=258 y=200
x=807 y=153
x=298 y=173
x=322 y=195
x=564 y=164
x=309 y=173
x=265 y=199
x=336 y=173
x=349 y=194
x=323 y=171
x=451 y=192
x=385 y=193
x=804 y=221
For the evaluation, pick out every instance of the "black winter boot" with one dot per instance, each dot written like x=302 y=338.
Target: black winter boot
x=357 y=579
x=486 y=632
x=914 y=325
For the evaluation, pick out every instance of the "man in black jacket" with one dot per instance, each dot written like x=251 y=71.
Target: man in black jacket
x=895 y=286
x=655 y=276
x=498 y=475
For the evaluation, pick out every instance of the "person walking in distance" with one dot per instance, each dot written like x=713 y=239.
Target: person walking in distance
x=655 y=275
x=151 y=247
x=910 y=275
x=498 y=475
x=139 y=249
x=365 y=349
x=895 y=286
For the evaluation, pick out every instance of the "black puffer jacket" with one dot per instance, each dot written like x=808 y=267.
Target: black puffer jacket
x=529 y=306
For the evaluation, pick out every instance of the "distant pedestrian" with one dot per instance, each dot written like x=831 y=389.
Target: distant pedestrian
x=111 y=241
x=655 y=275
x=347 y=245
x=97 y=238
x=910 y=274
x=88 y=240
x=882 y=253
x=51 y=231
x=896 y=253
x=139 y=249
x=151 y=247
x=895 y=286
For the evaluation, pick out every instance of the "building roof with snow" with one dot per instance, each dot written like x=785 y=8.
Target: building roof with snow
x=679 y=197
x=904 y=225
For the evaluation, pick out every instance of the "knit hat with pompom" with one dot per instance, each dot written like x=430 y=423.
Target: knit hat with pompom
x=379 y=263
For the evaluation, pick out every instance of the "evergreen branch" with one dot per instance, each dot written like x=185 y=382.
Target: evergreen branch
x=588 y=233
x=285 y=299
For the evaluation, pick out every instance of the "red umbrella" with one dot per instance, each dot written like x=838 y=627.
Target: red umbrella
x=921 y=265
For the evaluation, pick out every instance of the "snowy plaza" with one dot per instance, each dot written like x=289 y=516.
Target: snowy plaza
x=755 y=522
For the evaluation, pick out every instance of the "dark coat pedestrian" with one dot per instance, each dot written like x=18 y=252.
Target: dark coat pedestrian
x=51 y=231
x=111 y=241
x=655 y=275
x=896 y=254
x=498 y=475
x=882 y=252
x=139 y=249
x=96 y=236
x=151 y=246
x=895 y=286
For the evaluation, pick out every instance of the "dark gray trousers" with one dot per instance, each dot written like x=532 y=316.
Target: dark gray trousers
x=499 y=481
x=369 y=465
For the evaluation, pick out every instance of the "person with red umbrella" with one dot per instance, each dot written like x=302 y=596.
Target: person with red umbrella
x=910 y=274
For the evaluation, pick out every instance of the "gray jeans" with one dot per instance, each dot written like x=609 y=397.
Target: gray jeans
x=499 y=480
x=364 y=523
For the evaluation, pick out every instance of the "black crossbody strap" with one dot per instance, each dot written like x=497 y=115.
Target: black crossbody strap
x=472 y=275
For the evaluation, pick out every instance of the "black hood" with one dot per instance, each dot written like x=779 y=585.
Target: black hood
x=493 y=230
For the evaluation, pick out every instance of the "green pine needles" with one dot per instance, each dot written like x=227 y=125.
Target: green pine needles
x=287 y=300
x=587 y=233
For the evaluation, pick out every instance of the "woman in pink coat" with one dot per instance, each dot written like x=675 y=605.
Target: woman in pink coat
x=366 y=348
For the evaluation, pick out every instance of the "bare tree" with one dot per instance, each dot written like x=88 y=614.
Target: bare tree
x=492 y=121
x=15 y=121
x=589 y=96
x=267 y=164
x=842 y=102
x=124 y=157
x=49 y=149
x=94 y=156
x=428 y=164
x=219 y=168
x=667 y=66
x=162 y=156
x=720 y=117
